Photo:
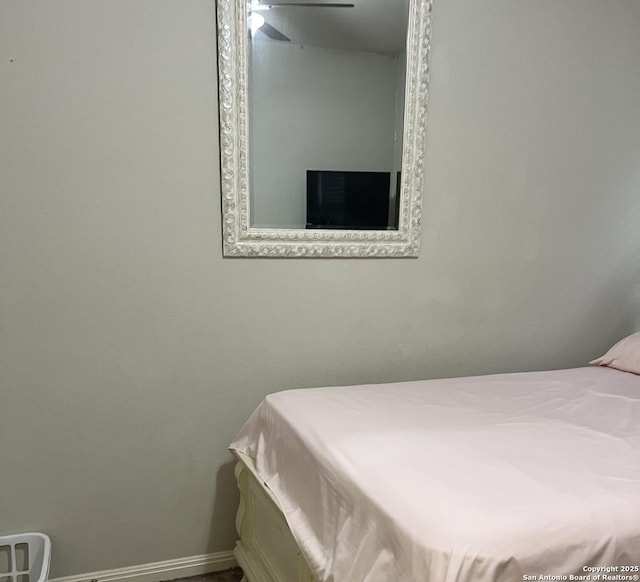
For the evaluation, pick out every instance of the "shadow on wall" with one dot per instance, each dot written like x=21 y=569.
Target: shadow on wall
x=222 y=533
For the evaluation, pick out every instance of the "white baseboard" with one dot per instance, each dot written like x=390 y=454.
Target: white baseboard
x=160 y=571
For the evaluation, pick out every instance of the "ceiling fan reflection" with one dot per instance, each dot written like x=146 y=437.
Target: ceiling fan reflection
x=259 y=24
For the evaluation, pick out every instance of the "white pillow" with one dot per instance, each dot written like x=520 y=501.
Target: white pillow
x=625 y=355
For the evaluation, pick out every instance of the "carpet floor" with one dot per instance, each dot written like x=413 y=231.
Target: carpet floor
x=233 y=575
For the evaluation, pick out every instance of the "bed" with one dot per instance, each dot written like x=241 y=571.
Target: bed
x=481 y=479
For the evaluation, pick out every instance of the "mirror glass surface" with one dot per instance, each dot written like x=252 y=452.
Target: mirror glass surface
x=326 y=97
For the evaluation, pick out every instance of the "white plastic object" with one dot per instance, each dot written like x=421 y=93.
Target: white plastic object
x=25 y=557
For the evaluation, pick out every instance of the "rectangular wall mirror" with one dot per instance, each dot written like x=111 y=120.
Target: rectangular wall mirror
x=322 y=126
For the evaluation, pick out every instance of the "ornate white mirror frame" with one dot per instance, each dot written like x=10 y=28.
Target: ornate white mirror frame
x=240 y=239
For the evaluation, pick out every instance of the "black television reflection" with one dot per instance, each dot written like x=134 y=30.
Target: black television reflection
x=351 y=200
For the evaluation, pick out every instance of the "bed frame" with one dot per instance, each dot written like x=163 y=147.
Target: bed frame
x=266 y=550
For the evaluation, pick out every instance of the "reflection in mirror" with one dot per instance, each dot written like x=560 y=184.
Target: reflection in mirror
x=326 y=88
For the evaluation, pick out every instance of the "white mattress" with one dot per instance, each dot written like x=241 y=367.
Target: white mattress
x=488 y=478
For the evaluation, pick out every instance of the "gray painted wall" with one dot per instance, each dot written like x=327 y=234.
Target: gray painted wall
x=131 y=352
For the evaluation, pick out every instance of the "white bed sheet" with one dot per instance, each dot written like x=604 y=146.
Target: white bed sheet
x=480 y=479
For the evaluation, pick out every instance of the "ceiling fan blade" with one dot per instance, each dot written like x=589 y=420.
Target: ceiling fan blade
x=273 y=33
x=307 y=5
